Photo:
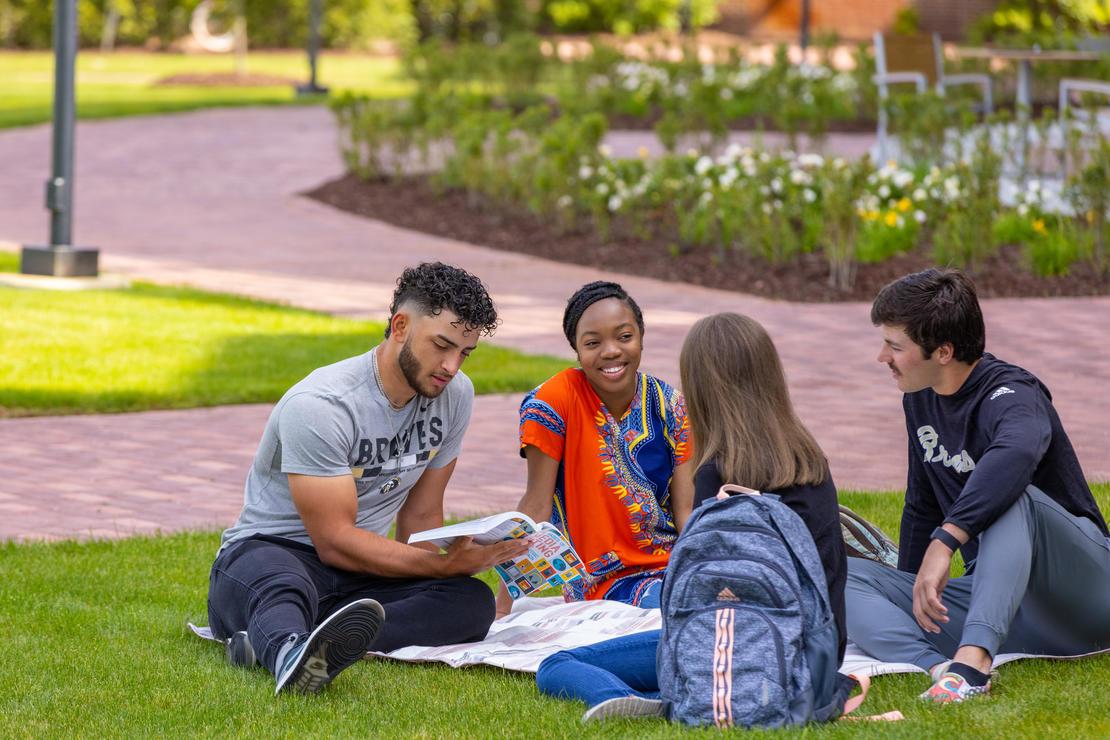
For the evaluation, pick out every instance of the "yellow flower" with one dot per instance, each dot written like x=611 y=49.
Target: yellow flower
x=1090 y=217
x=891 y=218
x=642 y=152
x=1038 y=225
x=905 y=204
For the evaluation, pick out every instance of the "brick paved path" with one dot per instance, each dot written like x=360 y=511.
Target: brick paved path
x=210 y=199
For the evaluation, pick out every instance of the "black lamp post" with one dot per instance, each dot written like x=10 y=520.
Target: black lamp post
x=804 y=30
x=311 y=87
x=61 y=259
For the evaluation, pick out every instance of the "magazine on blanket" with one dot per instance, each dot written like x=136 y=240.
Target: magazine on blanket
x=551 y=560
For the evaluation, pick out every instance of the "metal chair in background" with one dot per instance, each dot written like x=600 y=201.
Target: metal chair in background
x=1077 y=120
x=917 y=60
x=945 y=80
x=908 y=70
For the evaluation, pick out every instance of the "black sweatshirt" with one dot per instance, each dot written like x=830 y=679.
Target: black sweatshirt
x=972 y=454
x=818 y=507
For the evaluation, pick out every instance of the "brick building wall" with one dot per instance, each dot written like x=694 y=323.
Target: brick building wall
x=852 y=20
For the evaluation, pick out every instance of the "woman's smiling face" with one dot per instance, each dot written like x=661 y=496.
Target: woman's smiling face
x=609 y=344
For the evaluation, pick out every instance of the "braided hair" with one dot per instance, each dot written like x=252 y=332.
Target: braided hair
x=434 y=286
x=590 y=294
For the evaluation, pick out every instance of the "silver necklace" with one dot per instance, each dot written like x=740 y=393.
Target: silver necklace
x=393 y=407
x=381 y=385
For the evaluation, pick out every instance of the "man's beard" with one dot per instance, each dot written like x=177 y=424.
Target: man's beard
x=410 y=368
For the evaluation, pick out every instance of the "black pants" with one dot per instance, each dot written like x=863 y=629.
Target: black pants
x=274 y=587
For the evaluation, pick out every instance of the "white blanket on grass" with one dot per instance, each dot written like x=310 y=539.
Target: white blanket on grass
x=538 y=627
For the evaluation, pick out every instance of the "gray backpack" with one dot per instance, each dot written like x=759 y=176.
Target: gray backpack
x=748 y=636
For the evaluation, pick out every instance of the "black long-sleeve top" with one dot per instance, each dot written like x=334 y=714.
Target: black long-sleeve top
x=818 y=507
x=972 y=454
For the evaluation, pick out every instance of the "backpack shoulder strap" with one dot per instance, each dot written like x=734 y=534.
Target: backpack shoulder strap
x=864 y=540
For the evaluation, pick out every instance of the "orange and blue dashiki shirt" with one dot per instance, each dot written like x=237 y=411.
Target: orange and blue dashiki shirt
x=612 y=493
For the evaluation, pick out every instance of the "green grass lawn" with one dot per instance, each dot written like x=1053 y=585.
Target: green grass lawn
x=124 y=83
x=93 y=644
x=150 y=347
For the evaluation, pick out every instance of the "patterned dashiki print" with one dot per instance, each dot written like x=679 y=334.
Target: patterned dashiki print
x=612 y=494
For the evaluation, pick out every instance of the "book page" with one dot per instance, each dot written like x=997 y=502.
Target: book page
x=550 y=561
x=485 y=531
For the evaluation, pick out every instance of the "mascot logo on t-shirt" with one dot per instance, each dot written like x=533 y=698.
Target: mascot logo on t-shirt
x=935 y=452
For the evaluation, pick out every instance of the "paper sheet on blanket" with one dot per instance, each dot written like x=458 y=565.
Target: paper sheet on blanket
x=538 y=627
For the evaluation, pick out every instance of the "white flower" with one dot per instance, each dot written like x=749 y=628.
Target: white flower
x=615 y=203
x=884 y=191
x=604 y=150
x=585 y=173
x=602 y=189
x=776 y=185
x=766 y=207
x=919 y=216
x=564 y=201
x=919 y=194
x=809 y=195
x=703 y=165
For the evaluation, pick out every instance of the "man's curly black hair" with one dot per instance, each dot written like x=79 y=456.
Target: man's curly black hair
x=434 y=286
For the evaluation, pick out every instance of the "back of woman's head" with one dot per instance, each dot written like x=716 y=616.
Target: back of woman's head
x=740 y=409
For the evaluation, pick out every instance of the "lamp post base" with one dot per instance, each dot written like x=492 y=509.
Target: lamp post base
x=59 y=261
x=311 y=88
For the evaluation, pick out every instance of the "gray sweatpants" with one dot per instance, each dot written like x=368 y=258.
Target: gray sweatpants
x=1041 y=584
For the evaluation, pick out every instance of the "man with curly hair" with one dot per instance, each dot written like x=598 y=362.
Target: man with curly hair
x=307 y=580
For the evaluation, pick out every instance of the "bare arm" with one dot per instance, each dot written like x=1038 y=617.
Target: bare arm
x=329 y=507
x=423 y=509
x=536 y=502
x=682 y=493
x=931 y=579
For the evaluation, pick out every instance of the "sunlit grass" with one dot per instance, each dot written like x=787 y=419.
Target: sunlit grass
x=126 y=83
x=94 y=644
x=159 y=347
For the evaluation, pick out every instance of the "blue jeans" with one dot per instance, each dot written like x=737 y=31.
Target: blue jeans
x=273 y=588
x=638 y=590
x=1038 y=586
x=623 y=666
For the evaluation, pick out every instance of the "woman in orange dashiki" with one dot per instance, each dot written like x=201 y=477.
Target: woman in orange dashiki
x=607 y=449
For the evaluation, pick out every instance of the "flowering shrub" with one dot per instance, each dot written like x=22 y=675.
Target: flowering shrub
x=697 y=98
x=777 y=206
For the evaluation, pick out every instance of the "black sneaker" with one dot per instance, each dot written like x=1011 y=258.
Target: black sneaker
x=341 y=640
x=239 y=651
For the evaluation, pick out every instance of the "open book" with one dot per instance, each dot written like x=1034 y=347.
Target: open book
x=549 y=560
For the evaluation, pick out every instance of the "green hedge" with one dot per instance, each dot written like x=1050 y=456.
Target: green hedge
x=348 y=23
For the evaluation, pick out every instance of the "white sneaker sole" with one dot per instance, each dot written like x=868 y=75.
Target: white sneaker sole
x=624 y=706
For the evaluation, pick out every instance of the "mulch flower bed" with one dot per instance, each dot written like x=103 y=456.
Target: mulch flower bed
x=412 y=203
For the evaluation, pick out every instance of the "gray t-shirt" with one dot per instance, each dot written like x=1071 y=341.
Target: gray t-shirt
x=338 y=422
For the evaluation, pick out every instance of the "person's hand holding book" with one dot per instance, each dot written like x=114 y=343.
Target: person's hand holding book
x=465 y=557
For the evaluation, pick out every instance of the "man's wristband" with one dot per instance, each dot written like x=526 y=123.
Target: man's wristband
x=946 y=538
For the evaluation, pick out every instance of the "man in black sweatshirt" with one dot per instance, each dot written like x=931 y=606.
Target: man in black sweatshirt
x=993 y=474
